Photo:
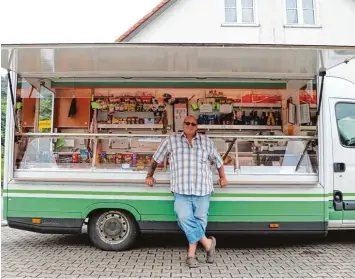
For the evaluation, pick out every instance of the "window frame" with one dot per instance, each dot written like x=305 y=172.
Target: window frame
x=336 y=121
x=239 y=10
x=300 y=15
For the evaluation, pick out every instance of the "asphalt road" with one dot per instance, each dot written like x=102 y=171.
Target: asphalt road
x=26 y=254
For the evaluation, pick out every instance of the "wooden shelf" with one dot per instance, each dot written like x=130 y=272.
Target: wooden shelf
x=130 y=126
x=257 y=105
x=126 y=111
x=275 y=106
x=238 y=127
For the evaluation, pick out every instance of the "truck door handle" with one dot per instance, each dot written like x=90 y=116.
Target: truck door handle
x=339 y=167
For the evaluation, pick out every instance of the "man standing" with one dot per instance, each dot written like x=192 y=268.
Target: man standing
x=190 y=156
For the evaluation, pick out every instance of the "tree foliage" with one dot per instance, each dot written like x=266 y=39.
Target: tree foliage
x=4 y=85
x=3 y=121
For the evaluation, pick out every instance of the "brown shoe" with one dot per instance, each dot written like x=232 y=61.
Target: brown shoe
x=211 y=252
x=192 y=262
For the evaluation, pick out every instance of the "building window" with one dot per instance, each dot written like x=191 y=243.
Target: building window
x=300 y=12
x=239 y=11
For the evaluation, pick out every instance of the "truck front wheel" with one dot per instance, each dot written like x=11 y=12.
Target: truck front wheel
x=113 y=230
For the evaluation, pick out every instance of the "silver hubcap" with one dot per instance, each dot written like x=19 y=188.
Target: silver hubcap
x=113 y=227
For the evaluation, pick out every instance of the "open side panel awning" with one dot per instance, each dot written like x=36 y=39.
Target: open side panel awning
x=160 y=61
x=340 y=63
x=171 y=60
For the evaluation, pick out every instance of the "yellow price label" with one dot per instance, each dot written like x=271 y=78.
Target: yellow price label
x=42 y=124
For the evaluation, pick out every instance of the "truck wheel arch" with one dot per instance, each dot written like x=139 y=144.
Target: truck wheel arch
x=111 y=205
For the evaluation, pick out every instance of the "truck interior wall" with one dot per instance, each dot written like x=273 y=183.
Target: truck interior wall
x=251 y=104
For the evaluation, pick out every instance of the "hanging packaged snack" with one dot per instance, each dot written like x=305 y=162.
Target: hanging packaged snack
x=139 y=104
x=104 y=106
x=103 y=157
x=134 y=159
x=147 y=99
x=111 y=158
x=98 y=104
x=131 y=105
x=125 y=104
x=127 y=159
x=147 y=107
x=121 y=106
x=119 y=158
x=140 y=161
x=111 y=108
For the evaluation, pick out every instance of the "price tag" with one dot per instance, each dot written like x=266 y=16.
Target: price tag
x=150 y=139
x=225 y=108
x=206 y=108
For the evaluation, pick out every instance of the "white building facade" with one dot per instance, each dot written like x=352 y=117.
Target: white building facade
x=294 y=22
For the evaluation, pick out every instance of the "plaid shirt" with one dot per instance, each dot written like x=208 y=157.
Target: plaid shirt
x=190 y=166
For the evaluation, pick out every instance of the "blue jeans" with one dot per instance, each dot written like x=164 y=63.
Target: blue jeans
x=191 y=213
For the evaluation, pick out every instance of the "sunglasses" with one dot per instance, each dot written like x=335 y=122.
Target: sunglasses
x=190 y=123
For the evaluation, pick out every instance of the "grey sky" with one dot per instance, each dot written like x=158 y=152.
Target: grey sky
x=69 y=21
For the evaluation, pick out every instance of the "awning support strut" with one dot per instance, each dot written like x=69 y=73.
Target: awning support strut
x=12 y=97
x=303 y=154
x=321 y=74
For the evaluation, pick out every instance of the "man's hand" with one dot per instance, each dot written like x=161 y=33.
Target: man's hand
x=149 y=181
x=222 y=182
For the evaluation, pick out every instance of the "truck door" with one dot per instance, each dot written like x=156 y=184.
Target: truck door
x=342 y=113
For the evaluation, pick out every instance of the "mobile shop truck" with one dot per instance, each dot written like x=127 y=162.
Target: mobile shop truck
x=83 y=121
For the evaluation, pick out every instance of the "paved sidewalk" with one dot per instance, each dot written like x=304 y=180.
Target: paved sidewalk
x=67 y=256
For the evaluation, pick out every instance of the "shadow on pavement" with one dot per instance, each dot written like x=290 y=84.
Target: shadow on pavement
x=224 y=241
x=252 y=241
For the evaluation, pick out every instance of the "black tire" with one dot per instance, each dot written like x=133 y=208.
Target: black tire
x=113 y=230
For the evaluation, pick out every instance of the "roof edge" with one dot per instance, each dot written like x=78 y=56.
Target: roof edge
x=144 y=21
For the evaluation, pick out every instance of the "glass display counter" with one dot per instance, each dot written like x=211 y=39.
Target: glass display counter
x=101 y=155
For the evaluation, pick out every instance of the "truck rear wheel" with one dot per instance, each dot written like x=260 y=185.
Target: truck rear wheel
x=113 y=230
